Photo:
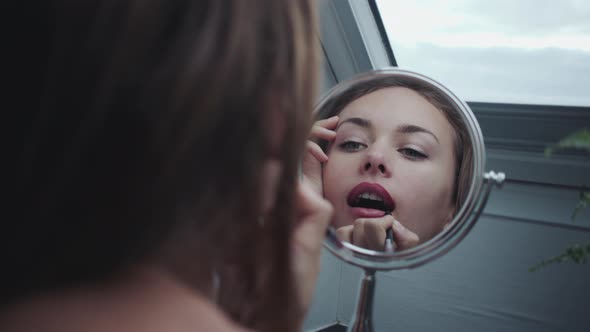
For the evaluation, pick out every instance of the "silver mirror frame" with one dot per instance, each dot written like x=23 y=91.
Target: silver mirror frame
x=462 y=223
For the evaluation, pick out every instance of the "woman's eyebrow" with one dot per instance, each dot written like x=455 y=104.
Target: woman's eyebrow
x=410 y=129
x=364 y=123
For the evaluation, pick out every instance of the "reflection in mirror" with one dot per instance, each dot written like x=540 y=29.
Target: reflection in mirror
x=398 y=160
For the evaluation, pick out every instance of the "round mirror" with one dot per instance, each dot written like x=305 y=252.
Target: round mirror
x=405 y=168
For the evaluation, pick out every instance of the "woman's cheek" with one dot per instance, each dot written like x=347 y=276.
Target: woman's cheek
x=336 y=166
x=330 y=184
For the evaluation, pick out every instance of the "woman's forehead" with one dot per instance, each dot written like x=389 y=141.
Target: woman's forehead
x=395 y=105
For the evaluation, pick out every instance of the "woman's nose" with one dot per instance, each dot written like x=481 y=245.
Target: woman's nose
x=376 y=163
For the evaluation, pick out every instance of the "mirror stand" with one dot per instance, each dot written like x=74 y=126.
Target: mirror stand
x=362 y=319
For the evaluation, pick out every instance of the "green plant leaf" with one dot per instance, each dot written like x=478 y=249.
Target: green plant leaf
x=579 y=139
x=582 y=203
x=577 y=253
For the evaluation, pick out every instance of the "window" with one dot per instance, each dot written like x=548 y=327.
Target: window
x=523 y=52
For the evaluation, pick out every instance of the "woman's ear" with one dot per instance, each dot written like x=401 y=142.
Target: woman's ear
x=272 y=170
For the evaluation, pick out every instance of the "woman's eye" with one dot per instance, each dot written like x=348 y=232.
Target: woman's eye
x=351 y=146
x=413 y=154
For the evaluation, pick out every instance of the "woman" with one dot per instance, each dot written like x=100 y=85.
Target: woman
x=396 y=154
x=149 y=192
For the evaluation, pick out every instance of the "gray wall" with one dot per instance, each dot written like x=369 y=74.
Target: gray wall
x=484 y=283
x=324 y=309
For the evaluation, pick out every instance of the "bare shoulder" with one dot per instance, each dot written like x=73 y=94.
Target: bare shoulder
x=146 y=307
x=66 y=315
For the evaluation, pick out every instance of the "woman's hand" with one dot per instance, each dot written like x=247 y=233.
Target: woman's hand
x=314 y=214
x=314 y=156
x=370 y=233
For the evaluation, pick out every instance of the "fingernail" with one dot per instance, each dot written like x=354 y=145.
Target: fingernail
x=396 y=223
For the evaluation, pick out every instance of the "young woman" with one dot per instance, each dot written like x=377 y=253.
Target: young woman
x=395 y=154
x=156 y=156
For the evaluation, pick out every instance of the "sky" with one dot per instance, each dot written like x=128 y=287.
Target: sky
x=519 y=51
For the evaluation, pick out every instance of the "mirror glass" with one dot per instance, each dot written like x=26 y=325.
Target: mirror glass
x=401 y=160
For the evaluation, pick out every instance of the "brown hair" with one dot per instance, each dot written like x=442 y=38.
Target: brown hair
x=463 y=147
x=146 y=120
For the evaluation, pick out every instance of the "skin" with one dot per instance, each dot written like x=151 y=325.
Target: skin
x=416 y=167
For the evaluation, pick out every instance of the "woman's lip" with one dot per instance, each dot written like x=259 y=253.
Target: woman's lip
x=359 y=212
x=366 y=187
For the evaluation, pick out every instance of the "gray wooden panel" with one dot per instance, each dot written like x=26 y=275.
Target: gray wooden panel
x=484 y=285
x=537 y=203
x=537 y=168
x=324 y=307
x=516 y=136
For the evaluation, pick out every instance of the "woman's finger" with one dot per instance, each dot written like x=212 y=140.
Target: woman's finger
x=314 y=214
x=344 y=233
x=358 y=233
x=375 y=232
x=329 y=123
x=322 y=133
x=316 y=152
x=404 y=238
x=311 y=166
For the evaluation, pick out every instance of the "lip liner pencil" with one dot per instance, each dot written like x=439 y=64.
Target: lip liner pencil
x=389 y=244
x=389 y=240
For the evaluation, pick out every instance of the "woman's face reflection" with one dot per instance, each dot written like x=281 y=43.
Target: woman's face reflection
x=393 y=151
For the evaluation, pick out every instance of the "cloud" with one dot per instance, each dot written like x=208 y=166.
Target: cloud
x=505 y=75
x=501 y=23
x=526 y=51
x=529 y=17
